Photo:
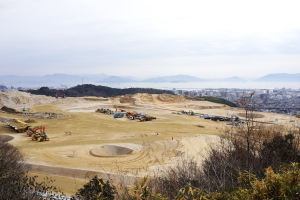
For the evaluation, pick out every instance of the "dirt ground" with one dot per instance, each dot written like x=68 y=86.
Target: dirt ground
x=162 y=140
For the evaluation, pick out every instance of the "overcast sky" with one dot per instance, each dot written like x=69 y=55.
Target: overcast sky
x=207 y=39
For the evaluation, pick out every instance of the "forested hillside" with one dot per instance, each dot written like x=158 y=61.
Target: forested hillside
x=213 y=99
x=94 y=90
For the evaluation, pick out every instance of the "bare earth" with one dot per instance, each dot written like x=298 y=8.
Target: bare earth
x=151 y=144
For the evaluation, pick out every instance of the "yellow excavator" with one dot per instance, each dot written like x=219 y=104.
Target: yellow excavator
x=40 y=136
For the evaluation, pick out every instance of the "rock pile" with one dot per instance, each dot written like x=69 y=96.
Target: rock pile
x=45 y=115
x=10 y=110
x=21 y=99
x=3 y=120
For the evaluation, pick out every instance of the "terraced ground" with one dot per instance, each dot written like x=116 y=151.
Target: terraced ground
x=163 y=140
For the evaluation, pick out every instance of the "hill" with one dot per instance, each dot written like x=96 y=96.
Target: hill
x=116 y=79
x=177 y=78
x=93 y=90
x=283 y=77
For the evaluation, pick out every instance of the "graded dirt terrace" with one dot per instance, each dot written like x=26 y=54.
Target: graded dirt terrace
x=149 y=144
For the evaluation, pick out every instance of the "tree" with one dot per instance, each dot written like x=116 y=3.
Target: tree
x=96 y=189
x=15 y=184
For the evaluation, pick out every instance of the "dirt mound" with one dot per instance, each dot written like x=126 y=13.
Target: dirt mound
x=168 y=98
x=13 y=98
x=144 y=98
x=251 y=115
x=3 y=120
x=6 y=138
x=96 y=99
x=45 y=115
x=10 y=110
x=127 y=99
x=112 y=150
x=30 y=121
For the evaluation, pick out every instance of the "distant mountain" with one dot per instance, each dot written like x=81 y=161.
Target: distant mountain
x=234 y=79
x=116 y=79
x=156 y=80
x=177 y=78
x=283 y=77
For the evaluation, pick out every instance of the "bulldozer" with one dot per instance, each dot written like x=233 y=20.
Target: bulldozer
x=18 y=125
x=40 y=136
x=298 y=115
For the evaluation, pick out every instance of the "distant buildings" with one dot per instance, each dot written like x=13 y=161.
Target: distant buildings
x=285 y=101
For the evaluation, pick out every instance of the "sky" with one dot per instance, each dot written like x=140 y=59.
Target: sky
x=207 y=39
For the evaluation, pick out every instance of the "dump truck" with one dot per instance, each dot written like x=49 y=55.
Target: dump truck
x=18 y=125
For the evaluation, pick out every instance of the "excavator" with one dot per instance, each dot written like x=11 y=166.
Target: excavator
x=40 y=136
x=34 y=130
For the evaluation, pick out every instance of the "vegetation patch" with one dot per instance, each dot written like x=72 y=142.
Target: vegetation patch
x=94 y=90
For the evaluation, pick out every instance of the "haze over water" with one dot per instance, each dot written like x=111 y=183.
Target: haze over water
x=210 y=84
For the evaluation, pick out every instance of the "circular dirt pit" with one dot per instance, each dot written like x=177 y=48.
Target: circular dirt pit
x=109 y=150
x=6 y=138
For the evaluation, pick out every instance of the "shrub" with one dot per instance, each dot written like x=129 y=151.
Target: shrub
x=15 y=184
x=96 y=189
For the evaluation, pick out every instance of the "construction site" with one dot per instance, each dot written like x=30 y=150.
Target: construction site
x=118 y=138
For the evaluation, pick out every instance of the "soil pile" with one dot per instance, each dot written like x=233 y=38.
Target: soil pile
x=144 y=98
x=10 y=110
x=16 y=98
x=3 y=120
x=127 y=99
x=6 y=138
x=39 y=115
x=171 y=98
x=45 y=115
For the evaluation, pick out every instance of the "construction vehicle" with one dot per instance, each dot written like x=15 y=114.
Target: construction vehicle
x=298 y=115
x=147 y=118
x=132 y=115
x=18 y=125
x=105 y=111
x=235 y=118
x=207 y=116
x=41 y=136
x=34 y=130
x=217 y=118
x=101 y=110
x=119 y=115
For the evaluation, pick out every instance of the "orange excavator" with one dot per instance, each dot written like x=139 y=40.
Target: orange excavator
x=33 y=130
x=38 y=136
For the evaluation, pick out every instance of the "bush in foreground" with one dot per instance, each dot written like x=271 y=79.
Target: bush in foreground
x=281 y=185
